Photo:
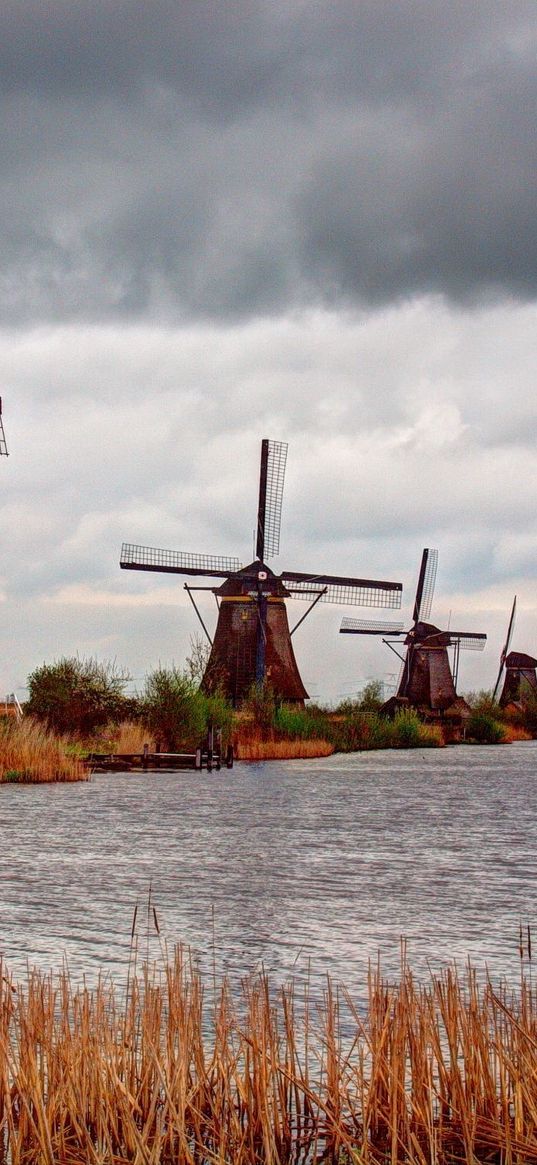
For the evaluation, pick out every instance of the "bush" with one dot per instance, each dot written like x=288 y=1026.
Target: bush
x=370 y=699
x=484 y=728
x=260 y=703
x=77 y=695
x=219 y=712
x=300 y=723
x=174 y=710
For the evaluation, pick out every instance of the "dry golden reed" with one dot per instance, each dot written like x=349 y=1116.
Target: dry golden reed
x=179 y=1069
x=29 y=753
x=131 y=737
x=251 y=748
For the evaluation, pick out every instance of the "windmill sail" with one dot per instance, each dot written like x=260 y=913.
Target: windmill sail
x=426 y=584
x=176 y=561
x=331 y=588
x=269 y=510
x=505 y=648
x=370 y=627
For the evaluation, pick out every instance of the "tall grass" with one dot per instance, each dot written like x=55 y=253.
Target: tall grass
x=182 y=1070
x=30 y=753
x=254 y=748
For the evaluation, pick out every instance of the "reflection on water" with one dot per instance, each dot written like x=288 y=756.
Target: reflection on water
x=279 y=864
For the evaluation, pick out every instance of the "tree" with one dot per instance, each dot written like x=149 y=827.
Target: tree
x=173 y=708
x=77 y=695
x=196 y=662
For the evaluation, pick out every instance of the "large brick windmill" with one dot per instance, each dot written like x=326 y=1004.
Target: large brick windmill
x=520 y=680
x=427 y=681
x=252 y=641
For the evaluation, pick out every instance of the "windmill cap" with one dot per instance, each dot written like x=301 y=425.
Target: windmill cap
x=246 y=580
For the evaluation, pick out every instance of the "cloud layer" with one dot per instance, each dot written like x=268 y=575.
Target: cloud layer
x=228 y=160
x=223 y=222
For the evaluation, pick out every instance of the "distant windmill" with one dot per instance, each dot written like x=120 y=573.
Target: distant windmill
x=520 y=670
x=3 y=445
x=252 y=641
x=426 y=681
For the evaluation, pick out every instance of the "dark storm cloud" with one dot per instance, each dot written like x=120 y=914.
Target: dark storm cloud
x=222 y=160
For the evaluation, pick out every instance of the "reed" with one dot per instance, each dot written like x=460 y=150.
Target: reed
x=130 y=736
x=256 y=748
x=179 y=1069
x=29 y=753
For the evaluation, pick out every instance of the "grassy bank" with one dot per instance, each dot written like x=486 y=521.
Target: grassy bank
x=29 y=753
x=181 y=1070
x=284 y=732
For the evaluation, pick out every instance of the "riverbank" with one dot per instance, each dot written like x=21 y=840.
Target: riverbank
x=182 y=1068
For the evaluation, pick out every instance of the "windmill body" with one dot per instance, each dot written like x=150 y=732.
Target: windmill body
x=426 y=679
x=253 y=642
x=427 y=682
x=518 y=670
x=236 y=654
x=520 y=678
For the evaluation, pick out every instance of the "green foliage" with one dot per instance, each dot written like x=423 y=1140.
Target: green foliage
x=261 y=704
x=529 y=698
x=410 y=732
x=301 y=723
x=357 y=729
x=219 y=712
x=370 y=699
x=173 y=708
x=483 y=701
x=76 y=695
x=178 y=714
x=483 y=727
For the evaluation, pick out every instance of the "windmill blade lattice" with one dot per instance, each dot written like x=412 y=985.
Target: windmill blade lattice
x=370 y=627
x=467 y=640
x=505 y=648
x=176 y=561
x=269 y=512
x=426 y=584
x=355 y=592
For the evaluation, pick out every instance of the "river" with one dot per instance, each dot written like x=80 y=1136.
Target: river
x=300 y=867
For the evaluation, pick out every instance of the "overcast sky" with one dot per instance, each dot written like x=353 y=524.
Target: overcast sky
x=308 y=221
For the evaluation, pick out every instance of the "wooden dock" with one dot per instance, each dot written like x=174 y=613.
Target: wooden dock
x=207 y=756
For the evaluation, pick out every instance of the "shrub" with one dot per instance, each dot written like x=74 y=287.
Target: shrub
x=76 y=695
x=260 y=703
x=299 y=723
x=484 y=728
x=173 y=708
x=218 y=711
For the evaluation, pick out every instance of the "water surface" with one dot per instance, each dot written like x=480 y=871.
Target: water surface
x=283 y=864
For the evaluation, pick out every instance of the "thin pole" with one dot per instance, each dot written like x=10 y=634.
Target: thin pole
x=187 y=589
x=310 y=608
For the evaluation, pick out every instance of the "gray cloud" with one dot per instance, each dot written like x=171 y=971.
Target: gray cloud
x=233 y=160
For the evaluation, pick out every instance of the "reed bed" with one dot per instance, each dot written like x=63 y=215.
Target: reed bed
x=255 y=748
x=181 y=1069
x=131 y=737
x=29 y=753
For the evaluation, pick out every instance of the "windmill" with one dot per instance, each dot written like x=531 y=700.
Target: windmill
x=3 y=445
x=252 y=642
x=427 y=681
x=520 y=670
